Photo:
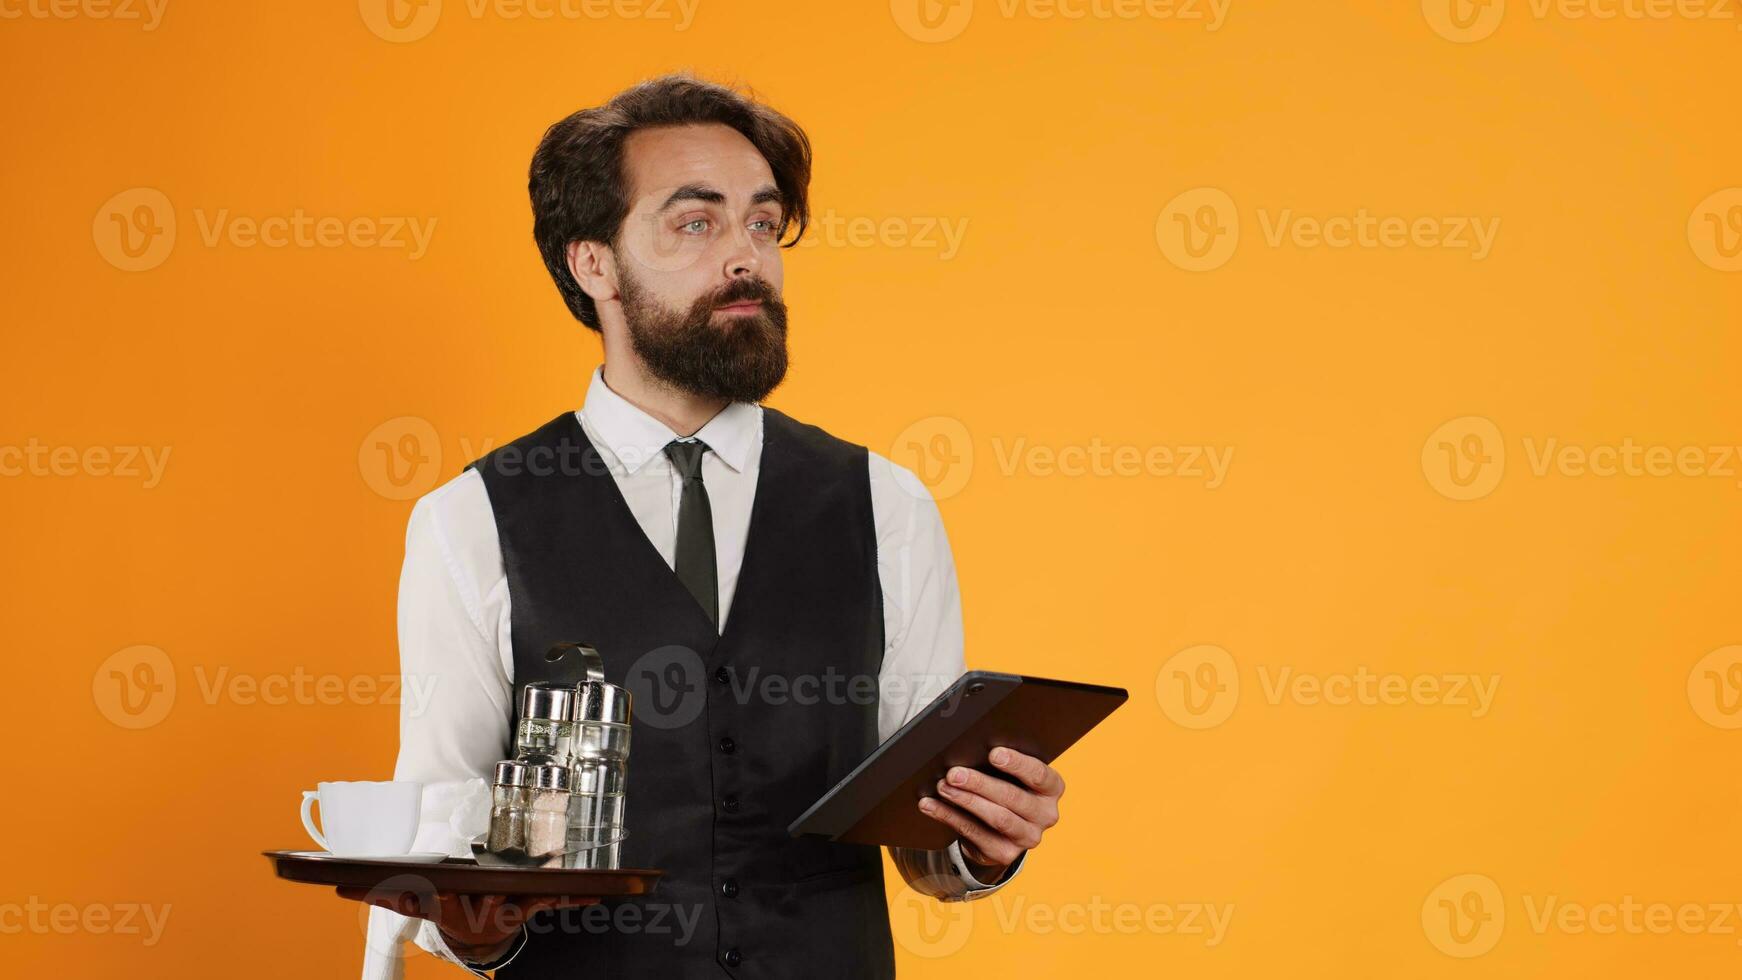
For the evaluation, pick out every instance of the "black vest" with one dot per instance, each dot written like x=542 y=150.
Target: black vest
x=733 y=735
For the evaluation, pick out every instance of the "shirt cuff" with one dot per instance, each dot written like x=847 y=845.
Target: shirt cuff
x=429 y=936
x=960 y=864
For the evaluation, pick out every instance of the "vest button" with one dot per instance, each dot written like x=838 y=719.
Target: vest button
x=732 y=957
x=722 y=676
x=727 y=745
x=730 y=804
x=729 y=888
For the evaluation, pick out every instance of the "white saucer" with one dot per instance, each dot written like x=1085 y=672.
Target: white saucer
x=416 y=857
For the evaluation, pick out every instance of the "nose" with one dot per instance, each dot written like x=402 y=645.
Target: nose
x=742 y=258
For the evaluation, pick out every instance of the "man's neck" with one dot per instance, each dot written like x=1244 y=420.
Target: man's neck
x=681 y=411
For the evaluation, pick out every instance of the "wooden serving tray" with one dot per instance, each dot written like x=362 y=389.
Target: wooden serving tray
x=461 y=876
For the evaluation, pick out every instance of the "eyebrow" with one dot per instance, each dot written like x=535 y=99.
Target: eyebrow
x=708 y=195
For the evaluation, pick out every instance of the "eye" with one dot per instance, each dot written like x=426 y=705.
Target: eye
x=696 y=227
x=763 y=226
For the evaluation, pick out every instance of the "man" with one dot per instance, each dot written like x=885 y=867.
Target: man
x=705 y=545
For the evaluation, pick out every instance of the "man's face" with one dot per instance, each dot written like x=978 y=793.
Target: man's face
x=699 y=262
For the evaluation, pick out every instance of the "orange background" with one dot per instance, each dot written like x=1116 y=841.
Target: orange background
x=270 y=547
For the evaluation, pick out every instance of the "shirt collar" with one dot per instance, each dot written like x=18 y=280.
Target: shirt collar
x=636 y=437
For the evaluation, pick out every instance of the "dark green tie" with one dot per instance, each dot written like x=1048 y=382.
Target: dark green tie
x=695 y=529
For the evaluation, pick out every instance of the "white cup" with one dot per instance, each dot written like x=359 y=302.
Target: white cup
x=364 y=819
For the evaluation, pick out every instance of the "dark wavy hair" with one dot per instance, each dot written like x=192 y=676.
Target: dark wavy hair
x=580 y=192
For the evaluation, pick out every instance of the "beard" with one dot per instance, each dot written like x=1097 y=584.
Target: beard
x=741 y=360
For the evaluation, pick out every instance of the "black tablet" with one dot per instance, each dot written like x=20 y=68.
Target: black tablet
x=878 y=802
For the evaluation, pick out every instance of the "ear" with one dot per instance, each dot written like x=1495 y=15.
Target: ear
x=595 y=268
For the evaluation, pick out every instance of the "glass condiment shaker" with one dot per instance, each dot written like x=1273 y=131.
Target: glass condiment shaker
x=601 y=772
x=508 y=807
x=547 y=811
x=545 y=732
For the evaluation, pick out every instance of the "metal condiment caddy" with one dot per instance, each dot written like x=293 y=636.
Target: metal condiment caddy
x=561 y=801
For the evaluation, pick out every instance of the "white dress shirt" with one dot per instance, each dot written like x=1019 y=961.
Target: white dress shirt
x=456 y=650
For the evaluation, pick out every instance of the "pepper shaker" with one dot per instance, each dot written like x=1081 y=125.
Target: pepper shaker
x=508 y=804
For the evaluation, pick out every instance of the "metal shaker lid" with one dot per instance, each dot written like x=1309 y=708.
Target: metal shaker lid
x=512 y=773
x=555 y=702
x=550 y=777
x=602 y=702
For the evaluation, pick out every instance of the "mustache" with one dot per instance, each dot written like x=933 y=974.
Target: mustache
x=744 y=290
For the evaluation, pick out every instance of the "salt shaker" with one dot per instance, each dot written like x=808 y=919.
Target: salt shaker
x=547 y=811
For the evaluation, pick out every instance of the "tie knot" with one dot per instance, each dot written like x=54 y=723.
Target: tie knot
x=687 y=457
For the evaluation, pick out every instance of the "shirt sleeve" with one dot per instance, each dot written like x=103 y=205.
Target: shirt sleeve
x=457 y=688
x=922 y=615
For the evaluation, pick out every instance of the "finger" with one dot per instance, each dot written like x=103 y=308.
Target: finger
x=404 y=904
x=528 y=906
x=1006 y=822
x=993 y=846
x=1037 y=775
x=972 y=854
x=531 y=905
x=1019 y=800
x=486 y=914
x=479 y=906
